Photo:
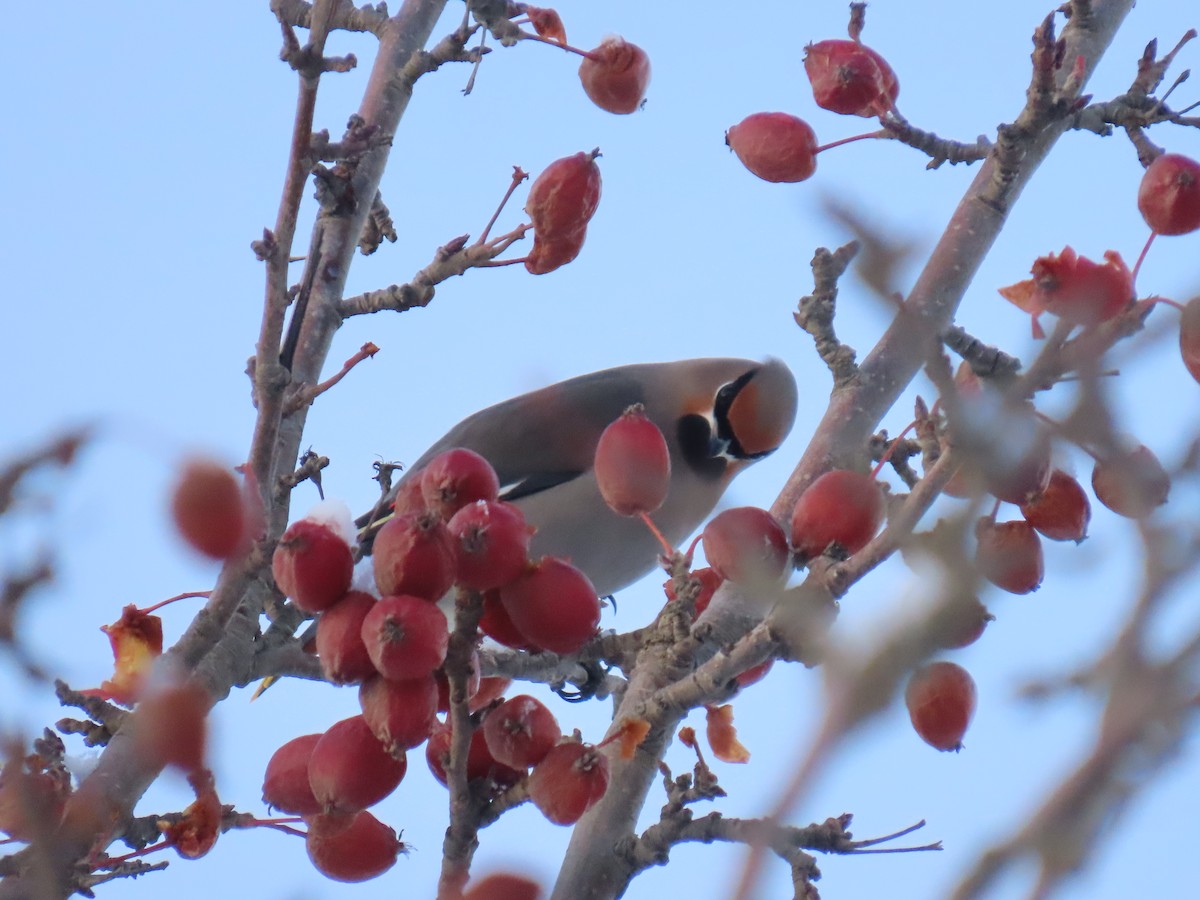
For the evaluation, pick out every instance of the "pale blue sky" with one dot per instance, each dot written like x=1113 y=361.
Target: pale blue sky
x=146 y=149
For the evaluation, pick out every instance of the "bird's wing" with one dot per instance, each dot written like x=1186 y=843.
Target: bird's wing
x=546 y=437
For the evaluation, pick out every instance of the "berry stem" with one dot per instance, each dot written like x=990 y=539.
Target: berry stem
x=892 y=445
x=184 y=596
x=1175 y=303
x=858 y=137
x=668 y=550
x=518 y=176
x=1137 y=266
x=525 y=35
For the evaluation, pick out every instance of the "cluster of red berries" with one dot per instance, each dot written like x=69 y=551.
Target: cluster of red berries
x=847 y=77
x=449 y=529
x=841 y=511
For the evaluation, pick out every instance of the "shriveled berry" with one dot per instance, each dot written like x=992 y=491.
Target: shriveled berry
x=941 y=702
x=1009 y=555
x=563 y=199
x=850 y=78
x=548 y=254
x=841 y=507
x=1074 y=288
x=1133 y=484
x=775 y=146
x=351 y=848
x=747 y=546
x=1169 y=195
x=633 y=464
x=553 y=605
x=1061 y=512
x=547 y=23
x=615 y=75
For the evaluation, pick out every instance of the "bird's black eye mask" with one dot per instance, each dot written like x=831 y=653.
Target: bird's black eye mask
x=707 y=453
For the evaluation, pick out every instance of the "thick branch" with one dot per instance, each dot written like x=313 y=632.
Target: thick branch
x=854 y=413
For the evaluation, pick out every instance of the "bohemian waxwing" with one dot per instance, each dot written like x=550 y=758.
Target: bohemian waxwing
x=718 y=417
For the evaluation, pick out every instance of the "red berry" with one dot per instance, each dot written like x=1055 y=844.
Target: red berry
x=1009 y=555
x=754 y=674
x=491 y=544
x=209 y=509
x=1189 y=337
x=521 y=731
x=1023 y=468
x=568 y=781
x=548 y=254
x=1133 y=484
x=455 y=478
x=615 y=75
x=841 y=507
x=490 y=688
x=633 y=464
x=349 y=768
x=775 y=146
x=351 y=848
x=1061 y=512
x=547 y=23
x=504 y=886
x=1072 y=287
x=941 y=701
x=285 y=785
x=497 y=625
x=340 y=648
x=709 y=582
x=405 y=636
x=553 y=605
x=747 y=546
x=401 y=714
x=962 y=623
x=173 y=725
x=1169 y=195
x=413 y=554
x=313 y=565
x=33 y=794
x=563 y=199
x=850 y=79
x=480 y=762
